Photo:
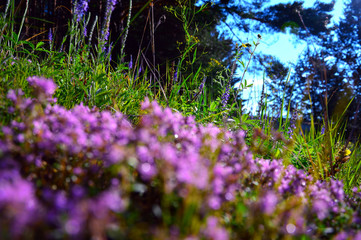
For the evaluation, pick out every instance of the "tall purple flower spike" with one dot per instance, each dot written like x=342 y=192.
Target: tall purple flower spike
x=80 y=9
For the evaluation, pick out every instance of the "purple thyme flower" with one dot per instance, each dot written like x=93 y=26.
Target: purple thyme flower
x=12 y=95
x=201 y=162
x=214 y=230
x=109 y=200
x=321 y=208
x=269 y=202
x=18 y=203
x=214 y=202
x=44 y=85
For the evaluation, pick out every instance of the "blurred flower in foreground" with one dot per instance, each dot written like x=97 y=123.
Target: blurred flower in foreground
x=81 y=173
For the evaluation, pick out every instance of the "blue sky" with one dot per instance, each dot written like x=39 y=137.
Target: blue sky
x=284 y=46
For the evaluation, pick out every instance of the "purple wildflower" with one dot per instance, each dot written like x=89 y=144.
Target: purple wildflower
x=201 y=87
x=358 y=236
x=80 y=9
x=320 y=207
x=12 y=95
x=18 y=203
x=225 y=96
x=214 y=231
x=50 y=36
x=46 y=86
x=147 y=170
x=138 y=72
x=108 y=201
x=105 y=29
x=110 y=164
x=342 y=236
x=214 y=202
x=292 y=123
x=85 y=31
x=269 y=202
x=176 y=74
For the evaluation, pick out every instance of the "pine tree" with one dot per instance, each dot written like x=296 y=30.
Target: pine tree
x=334 y=71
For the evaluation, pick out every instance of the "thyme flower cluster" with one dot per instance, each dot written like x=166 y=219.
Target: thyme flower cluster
x=82 y=174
